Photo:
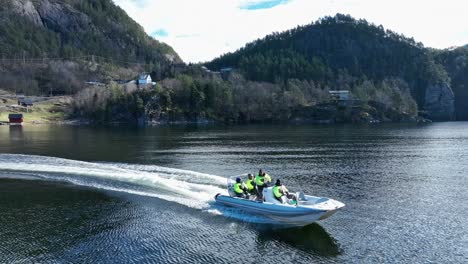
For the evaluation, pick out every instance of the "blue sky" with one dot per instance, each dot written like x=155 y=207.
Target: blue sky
x=255 y=5
x=159 y=33
x=204 y=29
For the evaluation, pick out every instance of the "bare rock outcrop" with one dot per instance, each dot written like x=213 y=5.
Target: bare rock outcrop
x=57 y=16
x=62 y=18
x=440 y=102
x=27 y=9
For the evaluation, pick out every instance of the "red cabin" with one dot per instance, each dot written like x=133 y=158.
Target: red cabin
x=15 y=119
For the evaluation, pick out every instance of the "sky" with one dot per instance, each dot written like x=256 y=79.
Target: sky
x=200 y=30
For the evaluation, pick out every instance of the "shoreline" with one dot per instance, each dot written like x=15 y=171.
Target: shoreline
x=87 y=122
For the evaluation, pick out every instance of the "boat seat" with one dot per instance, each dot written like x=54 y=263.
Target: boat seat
x=283 y=199
x=268 y=196
x=300 y=196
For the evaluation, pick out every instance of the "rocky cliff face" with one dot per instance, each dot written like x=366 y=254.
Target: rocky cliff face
x=59 y=17
x=87 y=27
x=63 y=18
x=440 y=102
x=455 y=62
x=27 y=9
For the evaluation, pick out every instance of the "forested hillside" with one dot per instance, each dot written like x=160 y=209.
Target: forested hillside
x=287 y=77
x=344 y=53
x=44 y=41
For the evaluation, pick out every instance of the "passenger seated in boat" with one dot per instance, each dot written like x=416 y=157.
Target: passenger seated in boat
x=239 y=189
x=250 y=185
x=280 y=191
x=261 y=180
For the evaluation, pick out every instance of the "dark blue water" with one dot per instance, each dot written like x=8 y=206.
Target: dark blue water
x=112 y=195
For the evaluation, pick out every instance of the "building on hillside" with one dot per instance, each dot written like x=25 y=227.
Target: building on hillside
x=25 y=102
x=16 y=119
x=95 y=83
x=123 y=81
x=226 y=72
x=228 y=69
x=340 y=96
x=144 y=79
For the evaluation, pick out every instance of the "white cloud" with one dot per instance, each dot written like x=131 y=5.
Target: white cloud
x=204 y=29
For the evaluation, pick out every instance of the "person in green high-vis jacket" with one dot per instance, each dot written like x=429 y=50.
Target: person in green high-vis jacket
x=261 y=180
x=280 y=190
x=239 y=189
x=250 y=185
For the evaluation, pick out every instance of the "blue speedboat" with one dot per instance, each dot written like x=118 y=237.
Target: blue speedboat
x=306 y=210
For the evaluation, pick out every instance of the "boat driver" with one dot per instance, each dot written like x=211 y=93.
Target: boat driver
x=280 y=190
x=239 y=189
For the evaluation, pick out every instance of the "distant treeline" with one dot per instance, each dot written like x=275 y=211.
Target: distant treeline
x=198 y=99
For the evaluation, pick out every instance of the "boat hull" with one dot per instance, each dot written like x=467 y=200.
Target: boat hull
x=282 y=214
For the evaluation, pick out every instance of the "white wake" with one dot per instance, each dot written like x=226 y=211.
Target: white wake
x=192 y=189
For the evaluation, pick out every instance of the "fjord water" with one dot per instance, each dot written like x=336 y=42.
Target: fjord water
x=116 y=194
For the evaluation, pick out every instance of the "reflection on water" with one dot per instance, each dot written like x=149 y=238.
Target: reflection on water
x=311 y=239
x=16 y=133
x=41 y=221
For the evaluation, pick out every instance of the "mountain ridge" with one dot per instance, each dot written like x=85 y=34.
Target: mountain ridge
x=342 y=47
x=43 y=41
x=71 y=20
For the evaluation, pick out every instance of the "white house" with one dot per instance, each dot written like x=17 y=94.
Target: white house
x=342 y=95
x=144 y=79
